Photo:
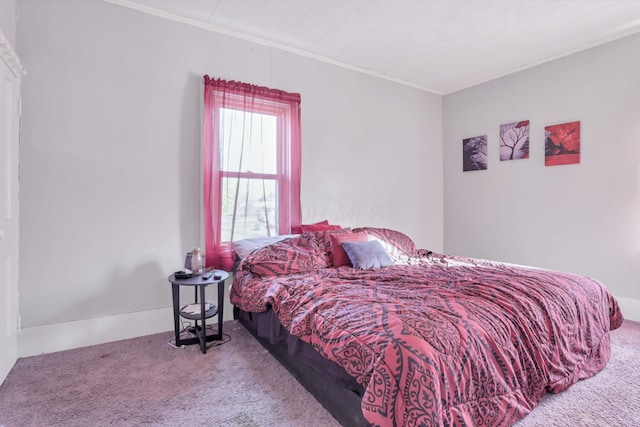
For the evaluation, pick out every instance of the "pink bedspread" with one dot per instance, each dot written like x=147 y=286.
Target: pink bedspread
x=448 y=340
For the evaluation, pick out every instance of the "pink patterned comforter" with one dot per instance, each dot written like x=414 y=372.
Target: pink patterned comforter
x=445 y=340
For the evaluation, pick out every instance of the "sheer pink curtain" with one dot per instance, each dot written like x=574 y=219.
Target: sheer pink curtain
x=222 y=95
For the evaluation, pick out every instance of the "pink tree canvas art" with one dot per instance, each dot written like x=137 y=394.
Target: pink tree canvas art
x=562 y=144
x=514 y=140
x=474 y=153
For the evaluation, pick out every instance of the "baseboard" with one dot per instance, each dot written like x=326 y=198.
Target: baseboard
x=81 y=333
x=630 y=308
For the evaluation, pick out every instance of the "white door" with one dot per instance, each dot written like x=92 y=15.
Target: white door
x=10 y=70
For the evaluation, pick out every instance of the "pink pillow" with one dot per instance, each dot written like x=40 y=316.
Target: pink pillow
x=297 y=229
x=319 y=227
x=338 y=255
x=394 y=242
x=324 y=239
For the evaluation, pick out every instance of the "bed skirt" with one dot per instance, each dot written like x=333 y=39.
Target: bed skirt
x=328 y=382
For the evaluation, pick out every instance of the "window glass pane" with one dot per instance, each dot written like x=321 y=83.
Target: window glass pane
x=254 y=203
x=248 y=141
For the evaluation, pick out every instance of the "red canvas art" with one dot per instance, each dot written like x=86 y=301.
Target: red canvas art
x=562 y=144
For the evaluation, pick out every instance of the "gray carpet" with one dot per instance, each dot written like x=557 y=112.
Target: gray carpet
x=144 y=381
x=610 y=399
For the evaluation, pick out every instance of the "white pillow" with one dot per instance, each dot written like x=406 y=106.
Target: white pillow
x=245 y=246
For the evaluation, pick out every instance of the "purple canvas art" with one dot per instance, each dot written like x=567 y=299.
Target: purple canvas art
x=474 y=153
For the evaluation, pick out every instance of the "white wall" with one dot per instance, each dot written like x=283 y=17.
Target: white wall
x=110 y=149
x=372 y=151
x=582 y=218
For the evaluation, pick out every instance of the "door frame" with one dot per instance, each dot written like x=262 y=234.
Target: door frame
x=9 y=306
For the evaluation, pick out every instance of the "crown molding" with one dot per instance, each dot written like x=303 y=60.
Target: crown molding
x=10 y=57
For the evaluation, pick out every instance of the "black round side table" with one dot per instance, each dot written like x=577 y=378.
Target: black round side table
x=199 y=283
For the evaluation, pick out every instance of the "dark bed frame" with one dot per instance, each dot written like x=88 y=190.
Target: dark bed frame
x=336 y=390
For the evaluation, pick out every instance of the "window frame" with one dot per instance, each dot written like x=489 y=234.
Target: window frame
x=282 y=112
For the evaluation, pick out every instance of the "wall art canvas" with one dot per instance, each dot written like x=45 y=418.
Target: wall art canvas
x=562 y=144
x=474 y=153
x=514 y=140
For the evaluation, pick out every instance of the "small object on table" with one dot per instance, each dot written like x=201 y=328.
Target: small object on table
x=196 y=261
x=183 y=274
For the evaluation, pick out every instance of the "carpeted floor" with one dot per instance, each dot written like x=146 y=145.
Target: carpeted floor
x=610 y=399
x=144 y=381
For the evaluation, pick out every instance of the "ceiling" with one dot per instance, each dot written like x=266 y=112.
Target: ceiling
x=440 y=46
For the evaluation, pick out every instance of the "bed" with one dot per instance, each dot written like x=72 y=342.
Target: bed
x=425 y=339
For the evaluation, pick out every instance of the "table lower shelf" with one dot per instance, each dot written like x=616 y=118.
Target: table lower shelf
x=213 y=310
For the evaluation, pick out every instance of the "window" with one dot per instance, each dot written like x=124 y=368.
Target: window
x=251 y=164
x=249 y=151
